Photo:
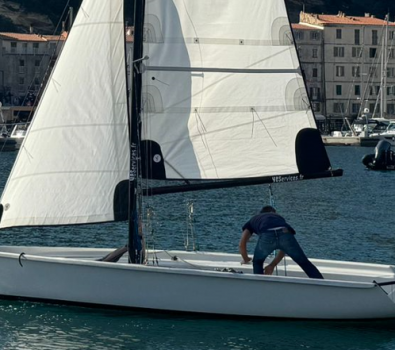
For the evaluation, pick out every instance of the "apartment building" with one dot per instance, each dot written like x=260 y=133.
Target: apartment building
x=25 y=62
x=311 y=53
x=349 y=62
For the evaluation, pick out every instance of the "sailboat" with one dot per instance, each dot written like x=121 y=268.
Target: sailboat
x=217 y=100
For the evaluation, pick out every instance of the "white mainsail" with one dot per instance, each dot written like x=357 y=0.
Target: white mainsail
x=223 y=92
x=76 y=151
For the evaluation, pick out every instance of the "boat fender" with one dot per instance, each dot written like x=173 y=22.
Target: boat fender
x=22 y=255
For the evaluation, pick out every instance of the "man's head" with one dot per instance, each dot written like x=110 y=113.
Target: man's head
x=268 y=209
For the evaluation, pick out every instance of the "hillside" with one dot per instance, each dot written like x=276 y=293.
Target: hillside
x=45 y=15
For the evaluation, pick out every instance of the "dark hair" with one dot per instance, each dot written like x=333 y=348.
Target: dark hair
x=268 y=209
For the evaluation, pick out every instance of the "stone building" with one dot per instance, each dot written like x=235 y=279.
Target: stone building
x=349 y=64
x=26 y=62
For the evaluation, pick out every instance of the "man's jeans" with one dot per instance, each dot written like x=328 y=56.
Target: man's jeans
x=277 y=239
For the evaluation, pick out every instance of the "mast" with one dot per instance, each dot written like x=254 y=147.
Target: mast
x=383 y=82
x=134 y=125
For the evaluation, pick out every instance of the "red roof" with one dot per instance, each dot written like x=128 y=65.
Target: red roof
x=342 y=18
x=300 y=26
x=33 y=37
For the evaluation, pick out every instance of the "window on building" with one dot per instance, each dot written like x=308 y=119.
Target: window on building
x=390 y=72
x=377 y=89
x=21 y=81
x=340 y=71
x=338 y=107
x=37 y=63
x=317 y=107
x=36 y=47
x=13 y=46
x=338 y=90
x=315 y=53
x=357 y=90
x=36 y=81
x=315 y=93
x=315 y=73
x=356 y=52
x=392 y=35
x=338 y=51
x=314 y=35
x=372 y=107
x=372 y=52
x=391 y=108
x=356 y=71
x=371 y=90
x=357 y=34
x=355 y=108
x=299 y=35
x=375 y=38
x=391 y=53
x=391 y=90
x=338 y=33
x=372 y=72
x=21 y=63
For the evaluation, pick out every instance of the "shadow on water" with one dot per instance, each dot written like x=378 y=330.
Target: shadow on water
x=37 y=326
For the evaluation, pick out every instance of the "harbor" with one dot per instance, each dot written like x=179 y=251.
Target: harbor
x=350 y=141
x=187 y=187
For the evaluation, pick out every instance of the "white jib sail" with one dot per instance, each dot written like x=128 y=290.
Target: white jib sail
x=76 y=151
x=223 y=91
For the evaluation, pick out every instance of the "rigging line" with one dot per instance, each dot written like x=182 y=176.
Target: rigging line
x=205 y=142
x=184 y=261
x=201 y=134
x=254 y=111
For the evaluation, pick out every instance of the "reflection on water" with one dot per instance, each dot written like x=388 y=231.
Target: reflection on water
x=37 y=326
x=348 y=218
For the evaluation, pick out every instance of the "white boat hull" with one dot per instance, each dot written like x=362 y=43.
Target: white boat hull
x=191 y=284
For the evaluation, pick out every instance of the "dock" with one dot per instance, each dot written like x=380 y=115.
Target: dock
x=350 y=141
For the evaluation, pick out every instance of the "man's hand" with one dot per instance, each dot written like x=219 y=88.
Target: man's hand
x=268 y=270
x=245 y=236
x=246 y=261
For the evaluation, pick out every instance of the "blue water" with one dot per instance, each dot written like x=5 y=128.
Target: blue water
x=347 y=218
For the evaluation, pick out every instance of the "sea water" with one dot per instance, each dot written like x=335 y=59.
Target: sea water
x=348 y=218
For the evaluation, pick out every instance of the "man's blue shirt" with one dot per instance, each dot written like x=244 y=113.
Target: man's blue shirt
x=263 y=222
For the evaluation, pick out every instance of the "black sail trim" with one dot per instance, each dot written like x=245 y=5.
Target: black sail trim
x=210 y=185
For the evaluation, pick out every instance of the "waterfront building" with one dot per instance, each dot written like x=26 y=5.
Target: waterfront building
x=26 y=62
x=349 y=64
